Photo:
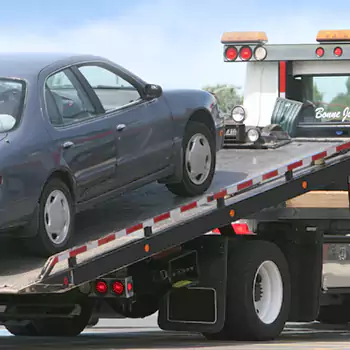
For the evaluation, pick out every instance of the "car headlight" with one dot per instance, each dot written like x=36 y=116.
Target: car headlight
x=253 y=135
x=238 y=114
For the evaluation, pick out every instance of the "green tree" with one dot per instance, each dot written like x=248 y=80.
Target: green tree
x=227 y=96
x=341 y=101
x=318 y=95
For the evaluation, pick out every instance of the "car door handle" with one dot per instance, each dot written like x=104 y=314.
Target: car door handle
x=120 y=127
x=67 y=144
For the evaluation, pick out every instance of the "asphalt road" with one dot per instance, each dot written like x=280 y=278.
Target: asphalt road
x=144 y=334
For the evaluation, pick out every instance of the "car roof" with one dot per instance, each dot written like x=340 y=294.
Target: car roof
x=29 y=64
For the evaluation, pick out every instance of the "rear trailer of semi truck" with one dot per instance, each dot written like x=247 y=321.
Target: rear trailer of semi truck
x=272 y=261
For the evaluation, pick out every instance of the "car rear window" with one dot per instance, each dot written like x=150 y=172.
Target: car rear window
x=12 y=94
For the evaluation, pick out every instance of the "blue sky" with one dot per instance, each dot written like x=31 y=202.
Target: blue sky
x=172 y=42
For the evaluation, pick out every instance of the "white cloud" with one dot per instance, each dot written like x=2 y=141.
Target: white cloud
x=173 y=44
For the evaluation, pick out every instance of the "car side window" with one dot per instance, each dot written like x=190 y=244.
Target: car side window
x=66 y=101
x=112 y=90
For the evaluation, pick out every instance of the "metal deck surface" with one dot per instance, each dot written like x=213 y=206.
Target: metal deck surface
x=17 y=269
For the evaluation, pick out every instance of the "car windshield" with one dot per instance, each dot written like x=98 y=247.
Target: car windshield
x=12 y=94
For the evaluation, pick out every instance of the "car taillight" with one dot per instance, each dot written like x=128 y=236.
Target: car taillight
x=319 y=52
x=245 y=53
x=231 y=53
x=101 y=287
x=338 y=51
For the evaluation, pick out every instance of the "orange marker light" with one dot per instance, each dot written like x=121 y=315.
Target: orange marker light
x=244 y=37
x=304 y=185
x=146 y=248
x=333 y=35
x=232 y=213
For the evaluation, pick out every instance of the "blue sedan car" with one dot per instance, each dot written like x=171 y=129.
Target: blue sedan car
x=78 y=130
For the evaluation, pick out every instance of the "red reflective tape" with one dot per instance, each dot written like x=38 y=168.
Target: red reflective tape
x=54 y=261
x=319 y=155
x=78 y=251
x=220 y=194
x=295 y=165
x=134 y=228
x=343 y=147
x=244 y=185
x=161 y=217
x=189 y=206
x=282 y=76
x=270 y=175
x=106 y=239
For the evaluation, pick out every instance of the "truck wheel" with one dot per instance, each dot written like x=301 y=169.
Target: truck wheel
x=199 y=161
x=52 y=327
x=258 y=292
x=21 y=329
x=334 y=314
x=55 y=220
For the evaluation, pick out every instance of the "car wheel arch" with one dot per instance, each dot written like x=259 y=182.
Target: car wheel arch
x=203 y=116
x=65 y=177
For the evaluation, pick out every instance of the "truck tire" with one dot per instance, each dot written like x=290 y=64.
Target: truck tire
x=51 y=327
x=258 y=293
x=198 y=151
x=334 y=314
x=44 y=242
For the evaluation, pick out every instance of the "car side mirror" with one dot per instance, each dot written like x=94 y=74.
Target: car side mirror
x=152 y=91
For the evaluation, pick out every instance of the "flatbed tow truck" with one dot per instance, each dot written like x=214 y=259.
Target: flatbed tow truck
x=270 y=262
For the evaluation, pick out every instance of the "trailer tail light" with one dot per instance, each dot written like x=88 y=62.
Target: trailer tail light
x=260 y=53
x=101 y=287
x=319 y=52
x=231 y=53
x=118 y=287
x=338 y=51
x=241 y=228
x=245 y=53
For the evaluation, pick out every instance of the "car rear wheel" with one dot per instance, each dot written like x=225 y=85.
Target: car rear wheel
x=199 y=161
x=55 y=220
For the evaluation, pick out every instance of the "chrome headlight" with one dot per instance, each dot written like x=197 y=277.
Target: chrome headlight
x=238 y=114
x=253 y=135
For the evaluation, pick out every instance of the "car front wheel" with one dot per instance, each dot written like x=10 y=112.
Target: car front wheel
x=55 y=220
x=199 y=161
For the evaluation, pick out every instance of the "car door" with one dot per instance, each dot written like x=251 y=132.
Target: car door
x=83 y=137
x=143 y=128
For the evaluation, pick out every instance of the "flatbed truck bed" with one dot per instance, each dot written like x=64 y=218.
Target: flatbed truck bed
x=242 y=167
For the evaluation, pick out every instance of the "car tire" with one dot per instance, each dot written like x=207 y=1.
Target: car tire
x=43 y=243
x=189 y=185
x=251 y=316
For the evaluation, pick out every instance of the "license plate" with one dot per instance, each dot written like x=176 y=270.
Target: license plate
x=231 y=132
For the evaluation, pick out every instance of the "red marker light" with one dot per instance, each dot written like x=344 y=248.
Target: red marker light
x=319 y=51
x=231 y=53
x=101 y=287
x=338 y=51
x=129 y=287
x=118 y=287
x=245 y=53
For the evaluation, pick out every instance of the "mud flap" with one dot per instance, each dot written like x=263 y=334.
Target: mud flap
x=201 y=306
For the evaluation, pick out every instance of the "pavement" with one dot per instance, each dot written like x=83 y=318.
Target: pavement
x=144 y=334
